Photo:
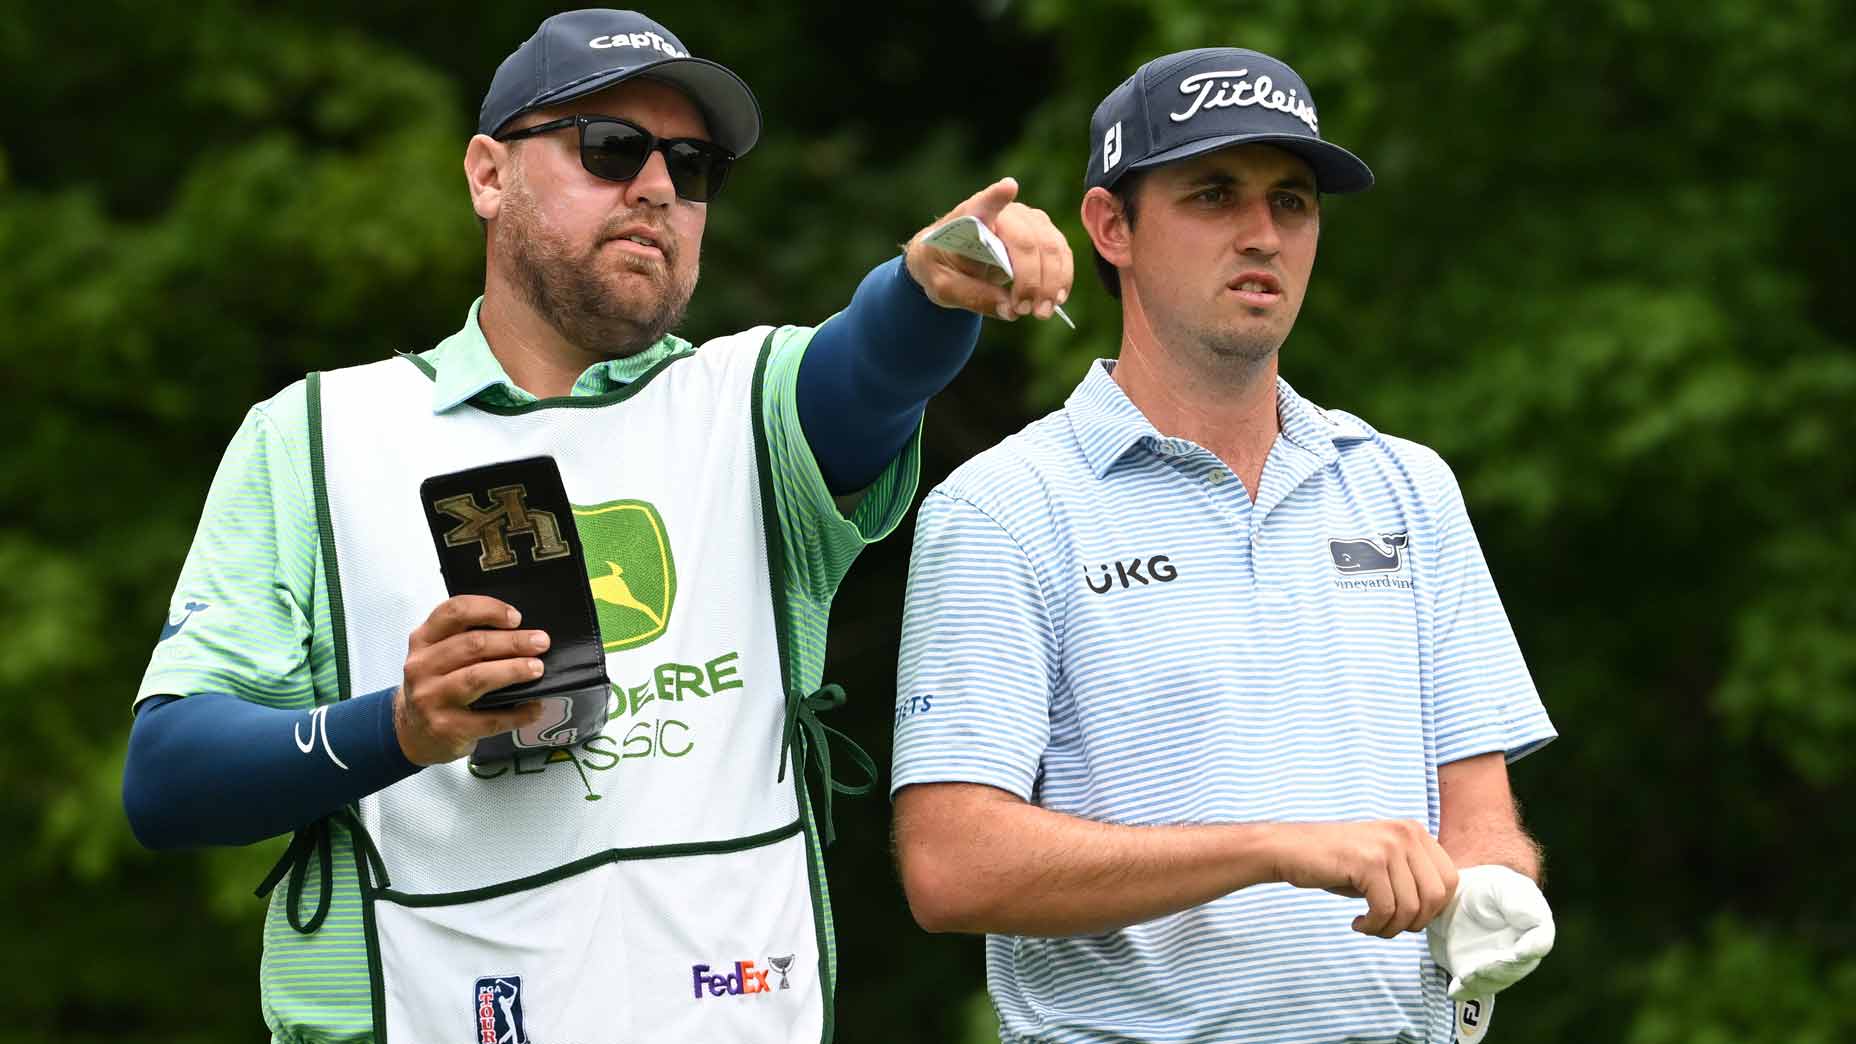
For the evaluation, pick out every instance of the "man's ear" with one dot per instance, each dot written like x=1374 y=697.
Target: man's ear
x=1108 y=227
x=487 y=167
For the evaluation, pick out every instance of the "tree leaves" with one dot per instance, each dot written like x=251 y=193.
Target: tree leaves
x=1605 y=272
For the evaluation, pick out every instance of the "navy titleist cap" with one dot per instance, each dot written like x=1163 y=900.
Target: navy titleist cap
x=579 y=52
x=1183 y=104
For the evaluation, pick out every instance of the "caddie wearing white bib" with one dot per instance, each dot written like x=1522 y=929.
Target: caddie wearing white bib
x=662 y=881
x=606 y=913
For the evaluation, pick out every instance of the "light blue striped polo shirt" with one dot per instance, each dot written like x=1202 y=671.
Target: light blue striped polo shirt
x=1101 y=622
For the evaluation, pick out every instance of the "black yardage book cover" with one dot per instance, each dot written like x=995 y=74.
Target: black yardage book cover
x=507 y=530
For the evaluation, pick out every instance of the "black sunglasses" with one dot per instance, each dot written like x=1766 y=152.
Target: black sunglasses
x=617 y=149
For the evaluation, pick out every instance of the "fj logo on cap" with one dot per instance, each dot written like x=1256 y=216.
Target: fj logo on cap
x=1229 y=89
x=639 y=40
x=1111 y=147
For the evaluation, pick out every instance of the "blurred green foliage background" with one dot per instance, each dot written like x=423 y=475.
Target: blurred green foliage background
x=1607 y=272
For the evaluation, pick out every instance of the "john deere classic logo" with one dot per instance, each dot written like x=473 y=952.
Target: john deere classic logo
x=629 y=568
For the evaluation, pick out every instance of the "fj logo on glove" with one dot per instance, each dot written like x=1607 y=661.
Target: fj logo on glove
x=491 y=527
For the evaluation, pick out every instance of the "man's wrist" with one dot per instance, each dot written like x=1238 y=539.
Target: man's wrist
x=1260 y=851
x=393 y=731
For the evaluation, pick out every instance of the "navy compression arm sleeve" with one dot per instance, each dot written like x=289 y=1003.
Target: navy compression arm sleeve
x=217 y=770
x=871 y=369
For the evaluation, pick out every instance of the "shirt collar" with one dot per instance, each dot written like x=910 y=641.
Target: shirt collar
x=1108 y=424
x=464 y=367
x=1106 y=421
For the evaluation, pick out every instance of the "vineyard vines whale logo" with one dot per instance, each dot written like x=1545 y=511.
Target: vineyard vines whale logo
x=169 y=630
x=1382 y=554
x=1229 y=89
x=629 y=570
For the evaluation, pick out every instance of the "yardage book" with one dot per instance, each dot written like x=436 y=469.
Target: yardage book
x=507 y=531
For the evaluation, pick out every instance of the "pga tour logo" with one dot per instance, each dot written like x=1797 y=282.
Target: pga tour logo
x=497 y=1004
x=743 y=980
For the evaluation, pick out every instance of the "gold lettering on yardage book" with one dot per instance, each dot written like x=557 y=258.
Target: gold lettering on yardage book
x=508 y=515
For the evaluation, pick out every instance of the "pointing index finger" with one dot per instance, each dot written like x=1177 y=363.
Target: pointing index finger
x=989 y=201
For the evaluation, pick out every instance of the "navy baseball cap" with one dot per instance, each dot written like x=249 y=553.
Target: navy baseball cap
x=1183 y=104
x=579 y=52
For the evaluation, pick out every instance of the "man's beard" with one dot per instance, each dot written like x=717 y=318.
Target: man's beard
x=1235 y=348
x=1244 y=348
x=571 y=293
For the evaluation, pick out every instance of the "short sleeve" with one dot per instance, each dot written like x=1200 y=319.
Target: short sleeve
x=240 y=618
x=978 y=659
x=1483 y=697
x=820 y=542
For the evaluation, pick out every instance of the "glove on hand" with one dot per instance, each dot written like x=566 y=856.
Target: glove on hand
x=1495 y=930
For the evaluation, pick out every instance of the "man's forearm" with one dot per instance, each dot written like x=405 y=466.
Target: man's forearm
x=869 y=371
x=988 y=862
x=1480 y=821
x=1512 y=848
x=216 y=770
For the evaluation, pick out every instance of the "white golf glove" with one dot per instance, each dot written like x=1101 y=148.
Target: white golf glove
x=1495 y=930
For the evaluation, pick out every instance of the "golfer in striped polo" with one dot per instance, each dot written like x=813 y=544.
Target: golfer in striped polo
x=1192 y=666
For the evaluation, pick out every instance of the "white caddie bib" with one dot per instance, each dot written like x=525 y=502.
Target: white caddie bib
x=656 y=882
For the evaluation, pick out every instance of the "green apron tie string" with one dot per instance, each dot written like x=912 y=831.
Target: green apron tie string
x=812 y=738
x=315 y=840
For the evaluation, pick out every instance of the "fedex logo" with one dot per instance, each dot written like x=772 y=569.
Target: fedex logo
x=743 y=980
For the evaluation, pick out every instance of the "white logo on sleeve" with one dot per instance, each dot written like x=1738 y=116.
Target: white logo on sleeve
x=1228 y=89
x=643 y=41
x=1111 y=148
x=318 y=726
